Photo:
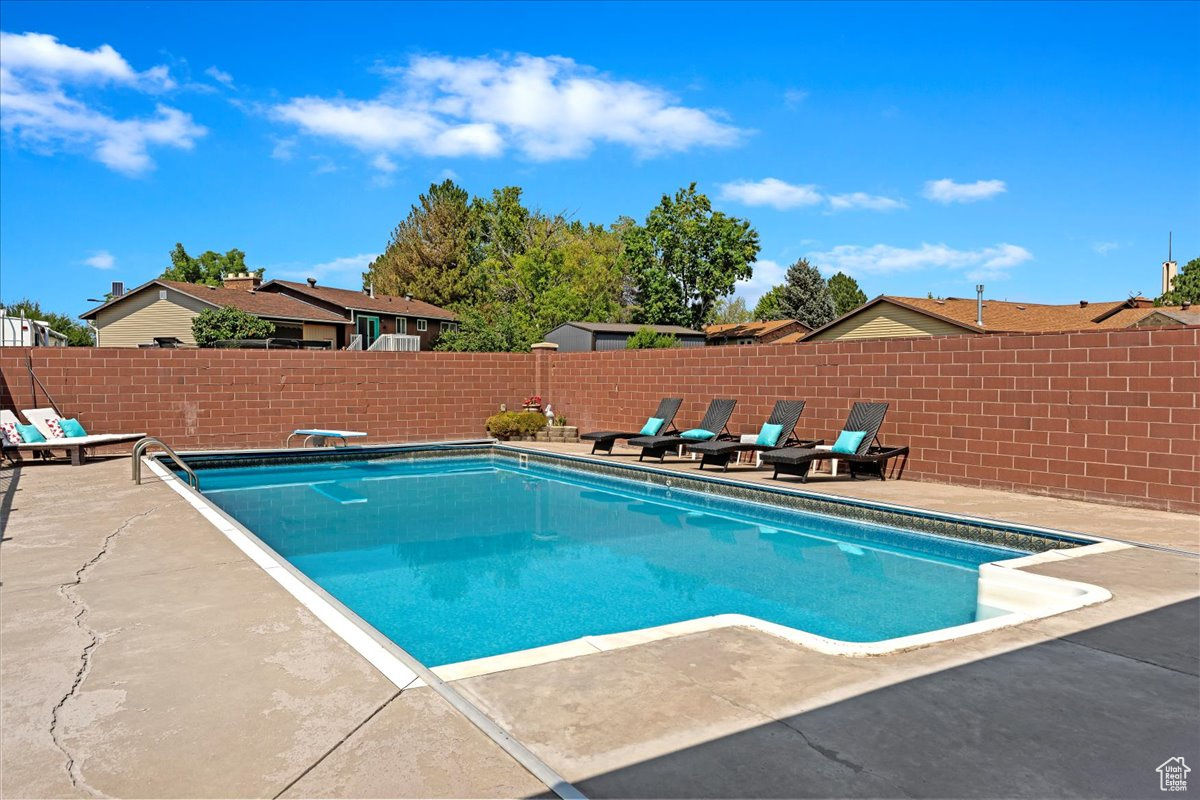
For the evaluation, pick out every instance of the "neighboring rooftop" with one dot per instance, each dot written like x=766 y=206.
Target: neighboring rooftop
x=263 y=304
x=364 y=301
x=888 y=315
x=764 y=332
x=622 y=327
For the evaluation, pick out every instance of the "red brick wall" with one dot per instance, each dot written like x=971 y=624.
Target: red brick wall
x=1108 y=416
x=242 y=398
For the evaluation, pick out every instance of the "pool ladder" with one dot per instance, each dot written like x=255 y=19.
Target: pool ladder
x=139 y=450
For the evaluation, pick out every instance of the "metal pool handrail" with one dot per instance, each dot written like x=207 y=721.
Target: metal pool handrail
x=140 y=448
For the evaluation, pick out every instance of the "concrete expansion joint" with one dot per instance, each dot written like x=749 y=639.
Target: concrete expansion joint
x=338 y=743
x=67 y=591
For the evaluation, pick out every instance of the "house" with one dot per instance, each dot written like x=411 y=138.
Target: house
x=898 y=317
x=754 y=332
x=165 y=309
x=369 y=314
x=580 y=337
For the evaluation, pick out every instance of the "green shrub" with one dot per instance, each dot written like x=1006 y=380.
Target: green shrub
x=213 y=325
x=647 y=338
x=515 y=423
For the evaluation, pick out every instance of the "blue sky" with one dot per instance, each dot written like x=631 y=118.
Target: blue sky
x=1042 y=149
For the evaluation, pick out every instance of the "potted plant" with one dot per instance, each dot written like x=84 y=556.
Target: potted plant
x=533 y=403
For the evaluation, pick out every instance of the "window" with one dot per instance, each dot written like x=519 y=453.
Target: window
x=401 y=325
x=422 y=325
x=446 y=326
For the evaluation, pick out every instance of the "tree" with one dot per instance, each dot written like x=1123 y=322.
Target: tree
x=492 y=328
x=1185 y=288
x=208 y=268
x=430 y=253
x=646 y=338
x=769 y=305
x=731 y=311
x=215 y=324
x=805 y=296
x=685 y=257
x=846 y=294
x=78 y=334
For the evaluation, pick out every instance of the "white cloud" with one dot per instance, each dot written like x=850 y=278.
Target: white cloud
x=545 y=108
x=881 y=259
x=220 y=76
x=771 y=192
x=1104 y=248
x=793 y=98
x=37 y=110
x=783 y=195
x=341 y=273
x=284 y=149
x=43 y=55
x=384 y=164
x=767 y=274
x=947 y=191
x=871 y=202
x=101 y=259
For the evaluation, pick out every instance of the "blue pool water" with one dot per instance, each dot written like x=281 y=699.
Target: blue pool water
x=459 y=558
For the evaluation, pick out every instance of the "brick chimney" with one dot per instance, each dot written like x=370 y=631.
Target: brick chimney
x=245 y=281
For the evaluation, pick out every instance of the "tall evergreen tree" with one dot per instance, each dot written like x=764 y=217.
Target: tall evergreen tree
x=430 y=253
x=845 y=292
x=805 y=296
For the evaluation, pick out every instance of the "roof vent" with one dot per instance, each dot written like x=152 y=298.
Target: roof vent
x=1186 y=305
x=312 y=282
x=1083 y=303
x=407 y=296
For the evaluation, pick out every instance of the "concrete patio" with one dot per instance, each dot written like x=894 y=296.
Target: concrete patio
x=144 y=655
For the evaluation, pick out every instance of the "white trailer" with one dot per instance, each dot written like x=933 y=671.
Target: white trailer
x=20 y=331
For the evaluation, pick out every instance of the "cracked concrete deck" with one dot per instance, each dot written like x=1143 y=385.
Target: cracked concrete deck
x=143 y=655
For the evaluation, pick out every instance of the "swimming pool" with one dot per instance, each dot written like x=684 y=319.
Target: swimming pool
x=465 y=555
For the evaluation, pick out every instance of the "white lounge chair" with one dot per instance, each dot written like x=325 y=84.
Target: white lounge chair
x=74 y=446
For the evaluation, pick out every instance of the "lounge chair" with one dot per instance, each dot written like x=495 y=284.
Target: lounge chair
x=713 y=424
x=869 y=456
x=74 y=446
x=785 y=415
x=668 y=407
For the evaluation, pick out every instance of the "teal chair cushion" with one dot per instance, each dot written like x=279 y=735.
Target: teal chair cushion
x=699 y=434
x=652 y=427
x=769 y=435
x=848 y=442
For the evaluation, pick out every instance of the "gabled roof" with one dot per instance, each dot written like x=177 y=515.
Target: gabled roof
x=361 y=301
x=740 y=330
x=621 y=327
x=262 y=304
x=1003 y=316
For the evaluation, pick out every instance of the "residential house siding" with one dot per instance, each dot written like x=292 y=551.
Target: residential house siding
x=887 y=321
x=139 y=319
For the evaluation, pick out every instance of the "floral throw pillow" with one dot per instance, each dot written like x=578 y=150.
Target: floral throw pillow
x=55 y=429
x=10 y=433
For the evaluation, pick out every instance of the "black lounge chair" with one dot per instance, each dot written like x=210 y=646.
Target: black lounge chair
x=715 y=420
x=871 y=457
x=603 y=441
x=785 y=414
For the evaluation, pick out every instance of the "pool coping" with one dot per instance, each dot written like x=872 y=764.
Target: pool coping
x=1004 y=581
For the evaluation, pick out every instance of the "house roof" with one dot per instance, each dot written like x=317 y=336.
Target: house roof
x=620 y=327
x=739 y=330
x=792 y=338
x=1003 y=316
x=361 y=301
x=1128 y=317
x=262 y=304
